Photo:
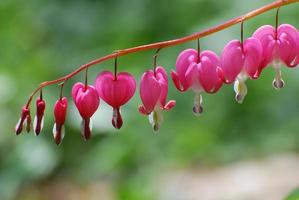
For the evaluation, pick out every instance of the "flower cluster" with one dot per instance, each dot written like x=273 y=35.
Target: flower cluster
x=202 y=72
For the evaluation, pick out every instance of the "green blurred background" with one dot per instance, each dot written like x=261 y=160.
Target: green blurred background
x=43 y=40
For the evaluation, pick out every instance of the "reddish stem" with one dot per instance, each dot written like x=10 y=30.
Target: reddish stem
x=169 y=43
x=61 y=91
x=242 y=35
x=277 y=22
x=155 y=60
x=198 y=51
x=86 y=81
x=115 y=68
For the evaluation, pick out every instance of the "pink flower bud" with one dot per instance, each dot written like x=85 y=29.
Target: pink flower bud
x=25 y=118
x=116 y=91
x=60 y=109
x=87 y=102
x=39 y=117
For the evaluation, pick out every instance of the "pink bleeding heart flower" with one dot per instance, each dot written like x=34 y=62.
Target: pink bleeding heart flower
x=25 y=120
x=60 y=109
x=280 y=46
x=116 y=91
x=39 y=117
x=183 y=62
x=198 y=71
x=240 y=61
x=153 y=93
x=87 y=102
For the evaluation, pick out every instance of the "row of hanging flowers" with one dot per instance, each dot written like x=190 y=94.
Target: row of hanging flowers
x=196 y=70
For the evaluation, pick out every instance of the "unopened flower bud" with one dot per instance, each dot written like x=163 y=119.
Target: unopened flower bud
x=25 y=119
x=60 y=109
x=39 y=117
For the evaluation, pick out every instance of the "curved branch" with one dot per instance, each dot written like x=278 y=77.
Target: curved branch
x=168 y=43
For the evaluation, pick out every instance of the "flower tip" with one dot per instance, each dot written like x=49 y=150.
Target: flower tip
x=241 y=90
x=278 y=84
x=117 y=125
x=18 y=128
x=38 y=124
x=57 y=142
x=239 y=98
x=156 y=128
x=86 y=129
x=142 y=110
x=155 y=119
x=170 y=105
x=197 y=110
x=117 y=121
x=58 y=133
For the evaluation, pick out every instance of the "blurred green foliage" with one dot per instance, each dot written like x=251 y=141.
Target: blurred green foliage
x=43 y=40
x=294 y=195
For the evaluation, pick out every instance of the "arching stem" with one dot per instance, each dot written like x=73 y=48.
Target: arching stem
x=169 y=43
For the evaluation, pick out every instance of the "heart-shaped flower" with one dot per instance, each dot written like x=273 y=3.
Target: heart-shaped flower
x=198 y=71
x=203 y=72
x=183 y=62
x=240 y=61
x=153 y=93
x=60 y=109
x=280 y=46
x=116 y=91
x=87 y=102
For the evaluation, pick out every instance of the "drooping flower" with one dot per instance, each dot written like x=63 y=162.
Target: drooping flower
x=60 y=109
x=153 y=93
x=25 y=119
x=116 y=91
x=183 y=62
x=87 y=102
x=198 y=71
x=280 y=46
x=240 y=61
x=39 y=117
